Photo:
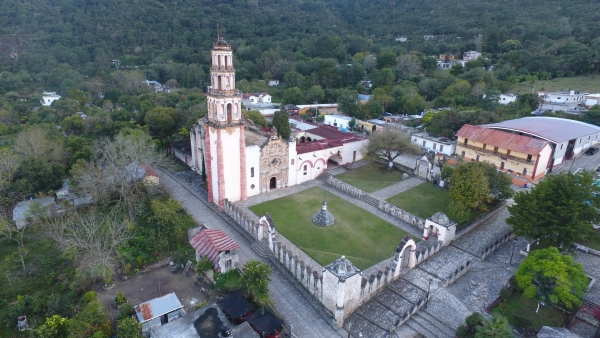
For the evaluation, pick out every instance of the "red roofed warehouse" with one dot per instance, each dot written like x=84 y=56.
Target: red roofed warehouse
x=219 y=248
x=523 y=156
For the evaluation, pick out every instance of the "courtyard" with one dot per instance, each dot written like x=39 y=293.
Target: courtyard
x=425 y=200
x=371 y=177
x=363 y=238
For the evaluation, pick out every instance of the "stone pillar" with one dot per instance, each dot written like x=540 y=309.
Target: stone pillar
x=425 y=233
x=339 y=304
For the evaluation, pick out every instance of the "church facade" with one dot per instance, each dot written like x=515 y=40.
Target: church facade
x=241 y=160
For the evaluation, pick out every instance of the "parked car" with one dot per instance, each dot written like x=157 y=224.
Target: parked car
x=592 y=151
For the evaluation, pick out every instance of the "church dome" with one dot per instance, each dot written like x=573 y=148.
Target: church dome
x=324 y=218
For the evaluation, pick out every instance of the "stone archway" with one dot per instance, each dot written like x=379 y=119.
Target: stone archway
x=405 y=255
x=273 y=183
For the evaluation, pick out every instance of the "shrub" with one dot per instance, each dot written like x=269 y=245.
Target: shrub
x=473 y=321
x=505 y=294
x=89 y=296
x=512 y=281
x=126 y=310
x=203 y=265
x=120 y=298
x=462 y=332
x=503 y=308
x=521 y=319
x=229 y=281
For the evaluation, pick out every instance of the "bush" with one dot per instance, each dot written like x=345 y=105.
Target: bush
x=89 y=296
x=505 y=294
x=229 y=281
x=203 y=265
x=126 y=310
x=512 y=281
x=503 y=308
x=462 y=332
x=120 y=298
x=473 y=321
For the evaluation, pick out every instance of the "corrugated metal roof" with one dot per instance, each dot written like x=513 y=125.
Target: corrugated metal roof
x=210 y=242
x=501 y=139
x=553 y=129
x=157 y=307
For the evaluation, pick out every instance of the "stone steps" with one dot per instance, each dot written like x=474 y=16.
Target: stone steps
x=262 y=249
x=425 y=331
x=323 y=177
x=370 y=200
x=441 y=326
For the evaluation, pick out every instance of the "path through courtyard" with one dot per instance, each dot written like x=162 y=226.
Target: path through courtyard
x=289 y=301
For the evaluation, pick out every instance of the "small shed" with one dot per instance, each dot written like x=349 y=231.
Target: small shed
x=219 y=248
x=159 y=311
x=151 y=177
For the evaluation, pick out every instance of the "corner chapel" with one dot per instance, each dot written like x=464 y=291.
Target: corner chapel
x=241 y=160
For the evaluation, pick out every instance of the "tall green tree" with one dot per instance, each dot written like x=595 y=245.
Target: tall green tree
x=470 y=186
x=256 y=117
x=552 y=278
x=256 y=277
x=161 y=123
x=281 y=122
x=496 y=327
x=561 y=209
x=293 y=96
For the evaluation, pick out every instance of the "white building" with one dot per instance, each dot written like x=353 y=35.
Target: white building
x=155 y=85
x=592 y=100
x=255 y=98
x=242 y=161
x=571 y=101
x=402 y=39
x=339 y=121
x=273 y=83
x=48 y=98
x=437 y=144
x=507 y=98
x=471 y=55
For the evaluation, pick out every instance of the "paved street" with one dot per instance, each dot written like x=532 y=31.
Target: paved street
x=581 y=162
x=306 y=321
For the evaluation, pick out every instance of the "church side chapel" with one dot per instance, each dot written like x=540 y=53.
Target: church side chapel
x=241 y=160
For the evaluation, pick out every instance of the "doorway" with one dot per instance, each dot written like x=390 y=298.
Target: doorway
x=273 y=183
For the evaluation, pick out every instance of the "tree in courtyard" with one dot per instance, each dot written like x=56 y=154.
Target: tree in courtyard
x=388 y=144
x=497 y=327
x=256 y=276
x=561 y=209
x=552 y=278
x=476 y=183
x=281 y=122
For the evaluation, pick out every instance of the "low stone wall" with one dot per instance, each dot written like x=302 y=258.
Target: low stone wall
x=402 y=215
x=376 y=278
x=345 y=187
x=157 y=265
x=247 y=222
x=425 y=251
x=492 y=247
x=457 y=273
x=308 y=272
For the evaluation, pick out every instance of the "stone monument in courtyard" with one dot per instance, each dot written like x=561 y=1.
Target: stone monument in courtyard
x=324 y=218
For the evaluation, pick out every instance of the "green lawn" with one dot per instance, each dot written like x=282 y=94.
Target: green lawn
x=371 y=177
x=584 y=83
x=547 y=316
x=593 y=243
x=425 y=200
x=363 y=238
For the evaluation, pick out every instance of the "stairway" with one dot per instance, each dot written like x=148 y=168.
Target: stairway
x=440 y=328
x=370 y=200
x=262 y=249
x=323 y=177
x=426 y=331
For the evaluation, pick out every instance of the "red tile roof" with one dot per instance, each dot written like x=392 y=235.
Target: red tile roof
x=308 y=147
x=501 y=139
x=332 y=137
x=148 y=170
x=210 y=243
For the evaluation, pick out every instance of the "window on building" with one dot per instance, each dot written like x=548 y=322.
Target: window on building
x=495 y=149
x=524 y=171
x=441 y=148
x=508 y=152
x=580 y=140
x=561 y=146
x=434 y=146
x=501 y=165
x=466 y=141
x=477 y=158
x=529 y=157
x=305 y=167
x=292 y=161
x=228 y=265
x=424 y=143
x=252 y=172
x=463 y=153
x=414 y=140
x=484 y=146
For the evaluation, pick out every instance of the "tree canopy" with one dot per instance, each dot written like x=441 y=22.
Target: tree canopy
x=560 y=209
x=475 y=184
x=552 y=278
x=388 y=144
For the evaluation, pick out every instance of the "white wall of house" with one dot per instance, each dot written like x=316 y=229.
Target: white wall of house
x=339 y=121
x=431 y=145
x=569 y=97
x=352 y=151
x=507 y=98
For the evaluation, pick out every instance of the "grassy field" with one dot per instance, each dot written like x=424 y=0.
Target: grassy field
x=371 y=177
x=525 y=307
x=425 y=200
x=584 y=83
x=593 y=243
x=363 y=238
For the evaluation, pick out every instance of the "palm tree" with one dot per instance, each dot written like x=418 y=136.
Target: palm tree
x=497 y=327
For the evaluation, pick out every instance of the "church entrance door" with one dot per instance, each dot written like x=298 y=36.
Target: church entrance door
x=273 y=183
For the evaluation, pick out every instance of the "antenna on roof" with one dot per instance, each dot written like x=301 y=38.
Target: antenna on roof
x=218 y=33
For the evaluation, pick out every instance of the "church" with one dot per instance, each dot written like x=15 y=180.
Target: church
x=241 y=160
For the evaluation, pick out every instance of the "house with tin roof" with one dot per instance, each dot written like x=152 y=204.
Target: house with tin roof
x=523 y=156
x=158 y=311
x=219 y=248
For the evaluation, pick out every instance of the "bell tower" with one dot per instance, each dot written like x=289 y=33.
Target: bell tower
x=225 y=144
